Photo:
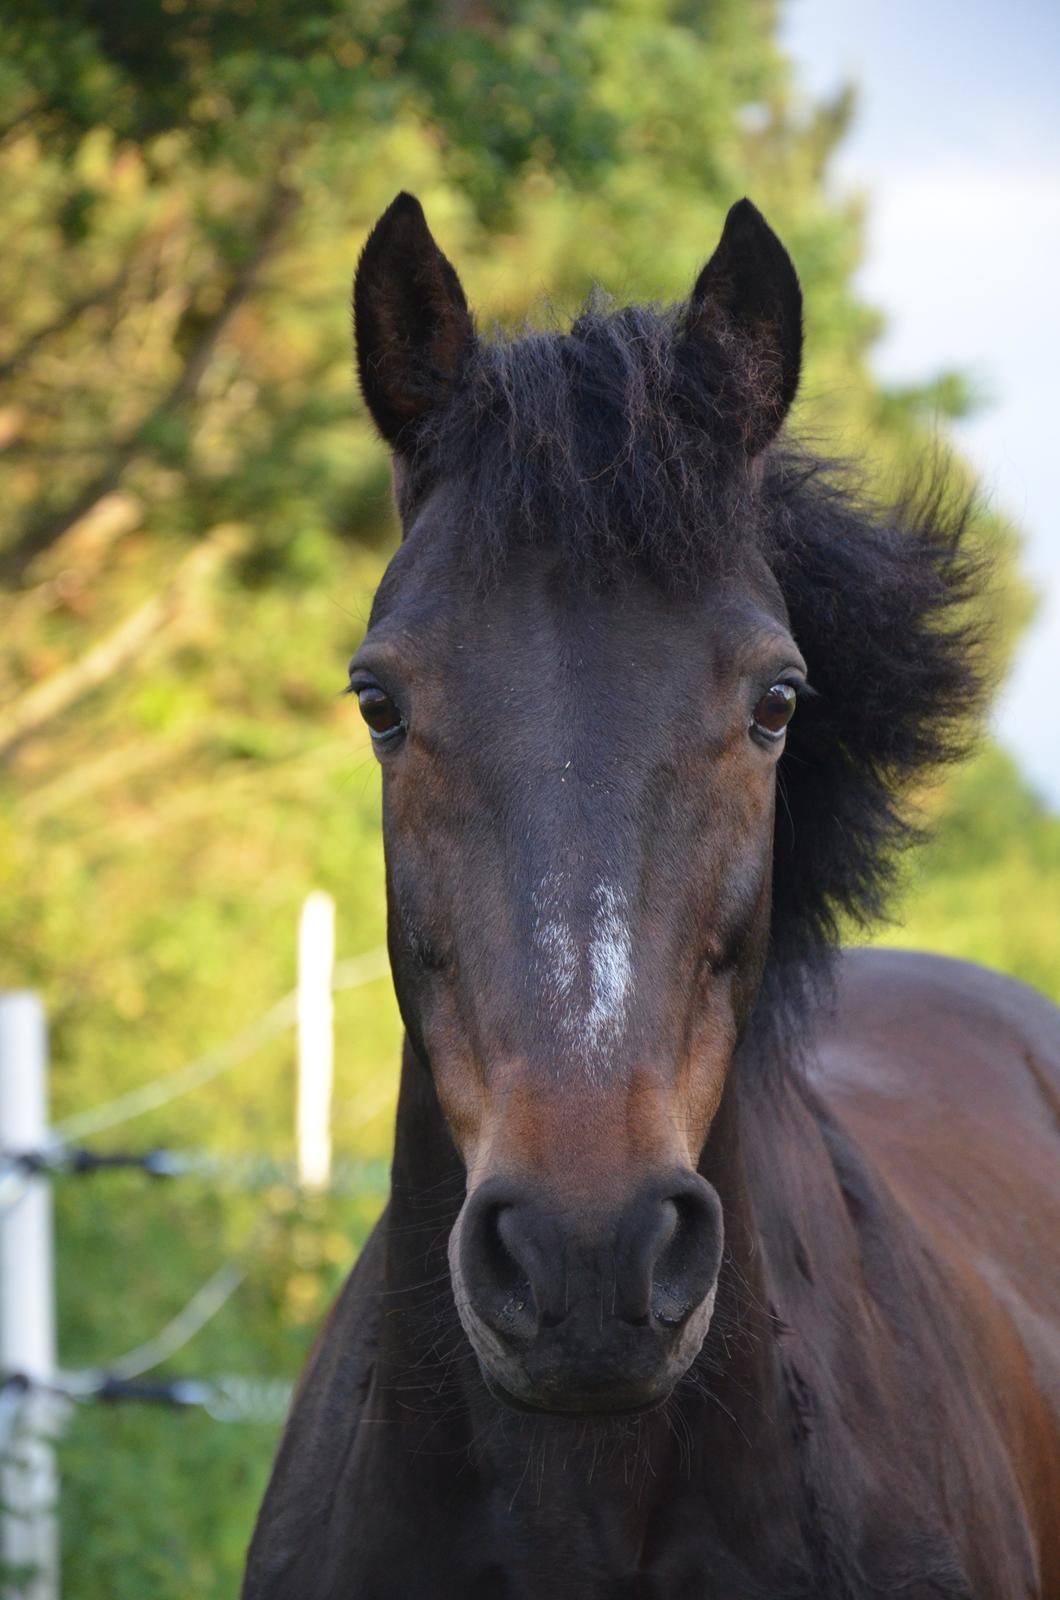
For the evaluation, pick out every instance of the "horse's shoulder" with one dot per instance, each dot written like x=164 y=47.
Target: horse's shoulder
x=944 y=1077
x=944 y=1080
x=938 y=1032
x=941 y=1090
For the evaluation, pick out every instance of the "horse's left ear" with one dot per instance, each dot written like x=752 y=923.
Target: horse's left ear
x=412 y=326
x=747 y=300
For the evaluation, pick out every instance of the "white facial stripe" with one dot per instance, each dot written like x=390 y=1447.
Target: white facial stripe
x=610 y=967
x=595 y=1025
x=558 y=957
x=561 y=959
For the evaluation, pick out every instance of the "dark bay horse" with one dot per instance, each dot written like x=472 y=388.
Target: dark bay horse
x=717 y=1265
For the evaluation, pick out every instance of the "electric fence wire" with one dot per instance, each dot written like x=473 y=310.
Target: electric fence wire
x=349 y=974
x=204 y=1304
x=159 y=1091
x=253 y=1171
x=230 y=1398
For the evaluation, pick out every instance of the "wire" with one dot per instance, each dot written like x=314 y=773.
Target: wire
x=236 y=1399
x=265 y=1172
x=359 y=970
x=231 y=1398
x=204 y=1304
x=349 y=974
x=72 y=1158
x=159 y=1091
x=246 y=1172
x=166 y=1391
x=227 y=1399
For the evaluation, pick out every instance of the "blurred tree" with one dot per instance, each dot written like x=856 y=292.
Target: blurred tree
x=177 y=140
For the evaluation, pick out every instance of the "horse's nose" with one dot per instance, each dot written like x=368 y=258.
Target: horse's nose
x=529 y=1265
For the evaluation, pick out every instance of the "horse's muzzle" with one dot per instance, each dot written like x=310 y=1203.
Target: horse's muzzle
x=587 y=1309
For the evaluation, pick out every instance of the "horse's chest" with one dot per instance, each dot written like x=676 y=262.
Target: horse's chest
x=457 y=1538
x=428 y=1522
x=584 y=1547
x=580 y=1540
x=425 y=1535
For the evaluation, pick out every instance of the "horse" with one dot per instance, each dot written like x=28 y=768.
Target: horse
x=718 y=1264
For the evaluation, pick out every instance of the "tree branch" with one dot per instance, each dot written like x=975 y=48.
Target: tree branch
x=41 y=535
x=66 y=318
x=46 y=700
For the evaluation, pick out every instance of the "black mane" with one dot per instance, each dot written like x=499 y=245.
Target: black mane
x=885 y=603
x=617 y=445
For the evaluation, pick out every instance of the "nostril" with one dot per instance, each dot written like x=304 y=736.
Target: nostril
x=501 y=1252
x=670 y=1298
x=491 y=1247
x=498 y=1281
x=687 y=1264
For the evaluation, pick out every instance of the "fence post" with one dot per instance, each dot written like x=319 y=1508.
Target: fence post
x=316 y=963
x=29 y=1484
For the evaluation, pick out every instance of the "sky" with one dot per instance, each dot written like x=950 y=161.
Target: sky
x=956 y=145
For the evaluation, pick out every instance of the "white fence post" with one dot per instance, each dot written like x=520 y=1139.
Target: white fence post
x=29 y=1484
x=316 y=963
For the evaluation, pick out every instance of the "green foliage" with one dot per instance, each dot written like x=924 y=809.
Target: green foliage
x=985 y=886
x=196 y=517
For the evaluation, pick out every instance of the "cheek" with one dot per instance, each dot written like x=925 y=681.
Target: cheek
x=704 y=1069
x=739 y=879
x=746 y=779
x=462 y=1099
x=733 y=920
x=416 y=858
x=423 y=859
x=458 y=1078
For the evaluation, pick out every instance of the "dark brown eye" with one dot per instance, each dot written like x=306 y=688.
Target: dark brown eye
x=774 y=711
x=381 y=714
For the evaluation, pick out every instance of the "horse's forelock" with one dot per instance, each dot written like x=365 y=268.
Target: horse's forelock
x=611 y=442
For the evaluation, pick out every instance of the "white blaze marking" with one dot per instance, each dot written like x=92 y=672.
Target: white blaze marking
x=595 y=1024
x=553 y=939
x=556 y=948
x=610 y=967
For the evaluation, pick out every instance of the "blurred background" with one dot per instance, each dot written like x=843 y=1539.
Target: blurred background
x=195 y=514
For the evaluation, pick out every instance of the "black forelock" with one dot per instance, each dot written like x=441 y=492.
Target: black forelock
x=616 y=441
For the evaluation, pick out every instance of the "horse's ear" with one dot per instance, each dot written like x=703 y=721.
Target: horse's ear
x=747 y=300
x=412 y=326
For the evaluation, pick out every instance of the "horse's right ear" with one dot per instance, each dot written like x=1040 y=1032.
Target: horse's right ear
x=412 y=326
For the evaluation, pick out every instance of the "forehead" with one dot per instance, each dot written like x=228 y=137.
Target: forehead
x=542 y=602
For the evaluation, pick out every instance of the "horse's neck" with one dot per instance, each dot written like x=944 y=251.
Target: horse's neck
x=787 y=1303
x=788 y=1226
x=428 y=1183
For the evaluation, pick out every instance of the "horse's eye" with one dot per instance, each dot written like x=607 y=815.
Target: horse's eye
x=774 y=711
x=384 y=719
